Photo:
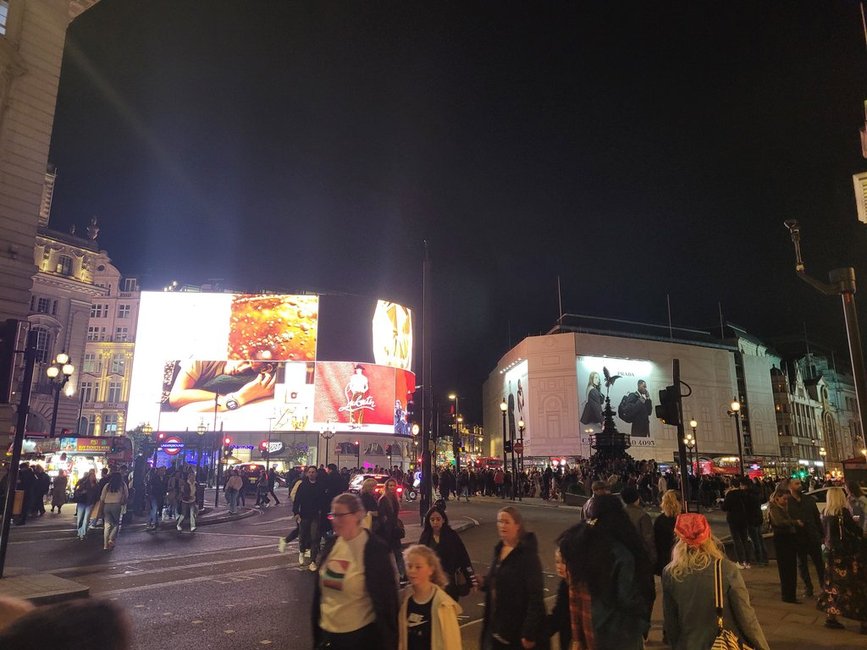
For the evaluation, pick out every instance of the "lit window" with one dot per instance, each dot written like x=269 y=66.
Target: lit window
x=43 y=306
x=118 y=364
x=64 y=265
x=43 y=340
x=109 y=424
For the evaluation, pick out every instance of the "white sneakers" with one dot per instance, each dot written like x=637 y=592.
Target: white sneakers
x=312 y=566
x=301 y=558
x=744 y=565
x=281 y=545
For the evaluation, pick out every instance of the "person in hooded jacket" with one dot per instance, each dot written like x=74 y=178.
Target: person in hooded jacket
x=514 y=608
x=428 y=617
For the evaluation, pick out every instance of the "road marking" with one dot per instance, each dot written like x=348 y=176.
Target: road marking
x=162 y=585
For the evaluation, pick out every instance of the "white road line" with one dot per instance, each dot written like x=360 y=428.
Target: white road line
x=162 y=585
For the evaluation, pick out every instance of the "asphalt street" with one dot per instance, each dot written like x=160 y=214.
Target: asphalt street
x=226 y=585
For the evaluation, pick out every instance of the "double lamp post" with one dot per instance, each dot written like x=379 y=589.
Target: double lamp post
x=58 y=373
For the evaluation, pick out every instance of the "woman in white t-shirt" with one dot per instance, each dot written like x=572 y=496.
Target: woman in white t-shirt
x=355 y=602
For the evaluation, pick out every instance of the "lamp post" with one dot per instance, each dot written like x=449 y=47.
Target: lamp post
x=200 y=430
x=735 y=412
x=823 y=453
x=415 y=430
x=358 y=451
x=519 y=478
x=503 y=408
x=864 y=453
x=327 y=434
x=147 y=430
x=456 y=439
x=58 y=373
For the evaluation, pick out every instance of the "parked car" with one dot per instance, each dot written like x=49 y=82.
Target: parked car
x=358 y=479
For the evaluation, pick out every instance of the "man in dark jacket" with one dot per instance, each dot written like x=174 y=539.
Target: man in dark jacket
x=156 y=492
x=309 y=507
x=736 y=506
x=27 y=483
x=803 y=509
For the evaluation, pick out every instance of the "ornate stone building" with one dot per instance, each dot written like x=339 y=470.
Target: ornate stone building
x=32 y=37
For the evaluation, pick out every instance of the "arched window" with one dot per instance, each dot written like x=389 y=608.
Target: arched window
x=43 y=344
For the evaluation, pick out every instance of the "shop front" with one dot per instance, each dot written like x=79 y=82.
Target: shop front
x=77 y=456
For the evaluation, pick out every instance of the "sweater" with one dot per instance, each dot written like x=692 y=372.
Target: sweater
x=445 y=632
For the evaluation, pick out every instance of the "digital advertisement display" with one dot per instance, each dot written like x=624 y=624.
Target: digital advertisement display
x=242 y=362
x=633 y=393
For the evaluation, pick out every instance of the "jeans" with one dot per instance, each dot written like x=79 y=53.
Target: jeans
x=156 y=510
x=111 y=517
x=309 y=536
x=82 y=517
x=188 y=509
x=232 y=500
x=740 y=537
x=758 y=541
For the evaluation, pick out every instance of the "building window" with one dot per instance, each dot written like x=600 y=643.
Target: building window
x=98 y=310
x=89 y=389
x=92 y=363
x=109 y=424
x=43 y=344
x=4 y=16
x=123 y=311
x=95 y=333
x=64 y=265
x=121 y=334
x=130 y=284
x=118 y=364
x=113 y=392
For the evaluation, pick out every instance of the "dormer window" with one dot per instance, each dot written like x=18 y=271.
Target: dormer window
x=64 y=265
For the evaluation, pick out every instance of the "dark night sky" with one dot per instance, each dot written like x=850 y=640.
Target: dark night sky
x=635 y=149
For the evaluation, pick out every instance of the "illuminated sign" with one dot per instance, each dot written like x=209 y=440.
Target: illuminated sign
x=172 y=445
x=260 y=361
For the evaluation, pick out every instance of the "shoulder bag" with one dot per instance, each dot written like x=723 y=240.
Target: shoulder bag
x=725 y=639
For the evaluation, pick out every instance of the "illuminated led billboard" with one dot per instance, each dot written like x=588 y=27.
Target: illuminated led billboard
x=633 y=396
x=253 y=362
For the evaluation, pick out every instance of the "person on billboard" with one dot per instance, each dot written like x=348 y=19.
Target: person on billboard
x=231 y=383
x=356 y=391
x=592 y=413
x=635 y=408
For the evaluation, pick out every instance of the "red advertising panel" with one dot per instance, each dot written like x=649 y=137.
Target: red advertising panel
x=358 y=394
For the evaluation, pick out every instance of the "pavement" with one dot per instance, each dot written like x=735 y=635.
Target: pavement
x=43 y=587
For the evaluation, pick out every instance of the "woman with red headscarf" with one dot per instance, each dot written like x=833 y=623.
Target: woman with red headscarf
x=688 y=591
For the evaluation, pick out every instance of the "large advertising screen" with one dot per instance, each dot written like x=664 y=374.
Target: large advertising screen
x=242 y=362
x=633 y=396
x=515 y=393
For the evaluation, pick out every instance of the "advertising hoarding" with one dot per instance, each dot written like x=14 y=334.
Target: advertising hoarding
x=633 y=396
x=249 y=362
x=516 y=393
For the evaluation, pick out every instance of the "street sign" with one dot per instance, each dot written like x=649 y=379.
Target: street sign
x=172 y=445
x=518 y=447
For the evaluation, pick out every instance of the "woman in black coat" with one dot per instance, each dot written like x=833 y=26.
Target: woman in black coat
x=663 y=528
x=449 y=547
x=514 y=608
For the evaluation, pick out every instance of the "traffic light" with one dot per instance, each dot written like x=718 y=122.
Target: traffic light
x=227 y=441
x=264 y=447
x=8 y=342
x=161 y=436
x=507 y=446
x=667 y=410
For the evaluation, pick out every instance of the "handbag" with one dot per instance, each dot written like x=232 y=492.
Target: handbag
x=459 y=580
x=725 y=639
x=399 y=530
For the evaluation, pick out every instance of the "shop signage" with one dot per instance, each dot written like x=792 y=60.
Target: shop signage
x=86 y=445
x=172 y=445
x=276 y=447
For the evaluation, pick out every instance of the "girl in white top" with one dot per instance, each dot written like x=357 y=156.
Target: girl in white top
x=428 y=618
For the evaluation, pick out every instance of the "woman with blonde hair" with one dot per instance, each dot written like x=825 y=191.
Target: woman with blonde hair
x=428 y=618
x=844 y=591
x=688 y=591
x=663 y=528
x=368 y=500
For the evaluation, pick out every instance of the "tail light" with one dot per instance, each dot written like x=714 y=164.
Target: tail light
x=400 y=490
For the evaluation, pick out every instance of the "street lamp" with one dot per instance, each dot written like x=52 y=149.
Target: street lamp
x=147 y=429
x=327 y=434
x=519 y=479
x=358 y=451
x=200 y=430
x=864 y=453
x=503 y=408
x=58 y=373
x=689 y=441
x=693 y=425
x=823 y=453
x=456 y=439
x=735 y=412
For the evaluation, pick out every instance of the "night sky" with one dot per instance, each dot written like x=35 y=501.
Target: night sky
x=633 y=149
